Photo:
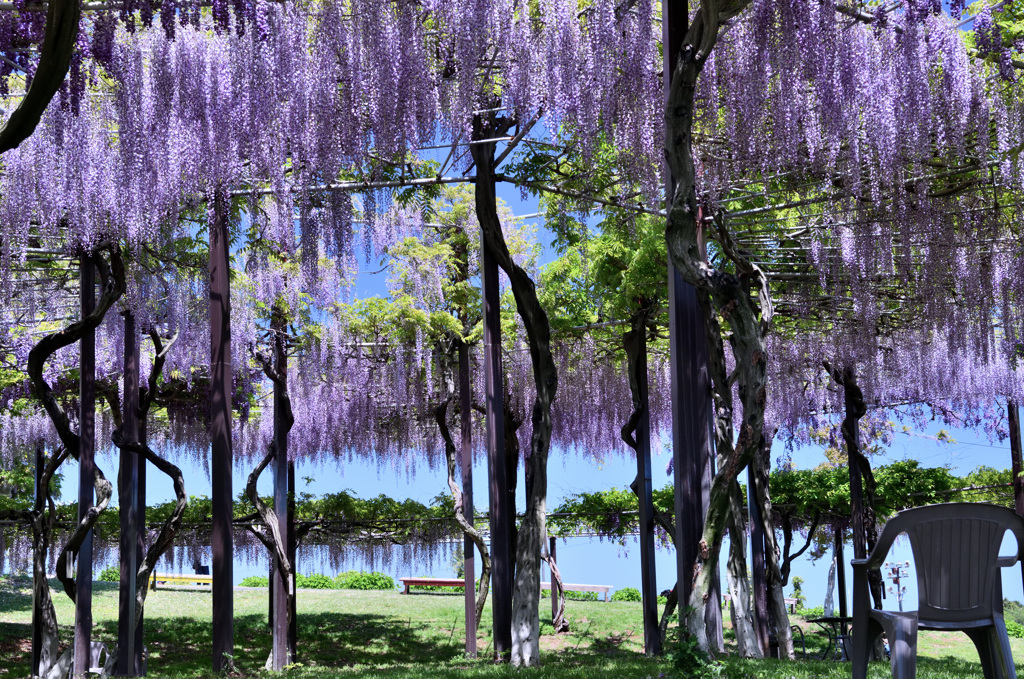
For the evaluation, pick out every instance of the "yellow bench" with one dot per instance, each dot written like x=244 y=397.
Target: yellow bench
x=183 y=579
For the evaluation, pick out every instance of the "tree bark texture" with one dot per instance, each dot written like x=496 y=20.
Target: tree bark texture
x=112 y=281
x=128 y=499
x=469 y=545
x=165 y=537
x=558 y=619
x=502 y=506
x=862 y=479
x=441 y=418
x=739 y=584
x=86 y=468
x=1013 y=420
x=788 y=555
x=635 y=345
x=526 y=594
x=778 y=611
x=61 y=33
x=221 y=455
x=739 y=298
x=273 y=518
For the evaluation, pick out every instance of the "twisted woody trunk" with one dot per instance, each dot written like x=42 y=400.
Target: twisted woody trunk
x=529 y=543
x=742 y=300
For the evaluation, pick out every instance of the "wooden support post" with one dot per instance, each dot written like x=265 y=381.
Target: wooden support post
x=648 y=577
x=293 y=625
x=128 y=500
x=281 y=586
x=37 y=629
x=220 y=438
x=86 y=467
x=840 y=570
x=468 y=548
x=140 y=549
x=860 y=536
x=501 y=535
x=554 y=585
x=1013 y=417
x=757 y=563
x=691 y=442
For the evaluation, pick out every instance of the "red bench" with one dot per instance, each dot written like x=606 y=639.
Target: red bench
x=432 y=582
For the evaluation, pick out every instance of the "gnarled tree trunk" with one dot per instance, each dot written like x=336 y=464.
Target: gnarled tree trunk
x=526 y=593
x=739 y=298
x=777 y=608
x=441 y=417
x=275 y=539
x=739 y=583
x=113 y=283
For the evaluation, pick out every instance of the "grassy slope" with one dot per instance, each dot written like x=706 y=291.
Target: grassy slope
x=384 y=634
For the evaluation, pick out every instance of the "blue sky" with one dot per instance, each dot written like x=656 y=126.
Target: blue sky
x=581 y=560
x=586 y=560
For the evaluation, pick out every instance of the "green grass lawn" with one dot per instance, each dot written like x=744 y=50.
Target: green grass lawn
x=349 y=633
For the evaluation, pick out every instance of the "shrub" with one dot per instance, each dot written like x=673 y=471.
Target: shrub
x=1015 y=629
x=255 y=581
x=361 y=580
x=798 y=592
x=1013 y=610
x=816 y=612
x=690 y=662
x=627 y=594
x=110 y=574
x=315 y=581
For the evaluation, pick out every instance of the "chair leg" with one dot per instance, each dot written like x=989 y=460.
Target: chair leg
x=902 y=633
x=1001 y=645
x=863 y=640
x=983 y=642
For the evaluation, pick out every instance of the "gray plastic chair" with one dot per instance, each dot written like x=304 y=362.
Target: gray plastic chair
x=956 y=553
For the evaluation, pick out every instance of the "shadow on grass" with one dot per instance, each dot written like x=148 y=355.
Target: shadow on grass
x=183 y=645
x=932 y=668
x=15 y=649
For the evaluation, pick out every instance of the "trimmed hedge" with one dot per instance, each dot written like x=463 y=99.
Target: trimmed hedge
x=346 y=580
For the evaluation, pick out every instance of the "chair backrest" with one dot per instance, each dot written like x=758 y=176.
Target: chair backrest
x=955 y=547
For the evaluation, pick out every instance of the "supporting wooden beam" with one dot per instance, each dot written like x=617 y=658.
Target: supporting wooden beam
x=501 y=534
x=37 y=623
x=220 y=438
x=128 y=500
x=86 y=467
x=469 y=560
x=140 y=550
x=644 y=490
x=1013 y=416
x=691 y=393
x=281 y=586
x=293 y=548
x=840 y=571
x=860 y=535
